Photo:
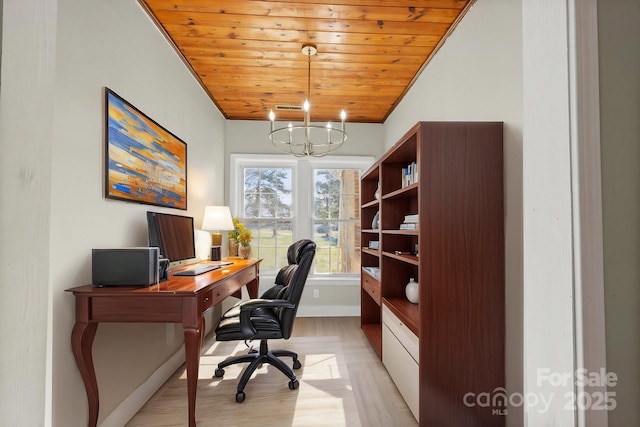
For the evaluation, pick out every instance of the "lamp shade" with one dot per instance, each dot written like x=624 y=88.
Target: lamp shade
x=217 y=218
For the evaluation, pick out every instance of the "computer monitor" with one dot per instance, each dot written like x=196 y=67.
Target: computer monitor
x=174 y=235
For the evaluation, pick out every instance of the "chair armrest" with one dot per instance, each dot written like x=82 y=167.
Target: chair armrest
x=251 y=304
x=246 y=307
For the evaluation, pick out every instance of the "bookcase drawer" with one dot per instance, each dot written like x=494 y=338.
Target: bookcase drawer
x=398 y=344
x=403 y=334
x=372 y=287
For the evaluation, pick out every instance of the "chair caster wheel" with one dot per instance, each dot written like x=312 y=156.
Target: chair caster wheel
x=219 y=373
x=296 y=364
x=240 y=396
x=293 y=384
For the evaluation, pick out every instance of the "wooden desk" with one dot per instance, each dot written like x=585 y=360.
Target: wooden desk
x=181 y=299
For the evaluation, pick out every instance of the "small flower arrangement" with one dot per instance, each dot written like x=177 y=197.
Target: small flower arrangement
x=238 y=228
x=240 y=234
x=244 y=238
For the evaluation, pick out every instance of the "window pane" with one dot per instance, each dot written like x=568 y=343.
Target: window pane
x=267 y=193
x=267 y=213
x=327 y=193
x=337 y=220
x=271 y=239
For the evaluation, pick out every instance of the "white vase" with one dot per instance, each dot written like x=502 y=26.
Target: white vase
x=412 y=291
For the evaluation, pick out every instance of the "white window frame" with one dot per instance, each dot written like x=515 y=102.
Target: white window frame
x=302 y=178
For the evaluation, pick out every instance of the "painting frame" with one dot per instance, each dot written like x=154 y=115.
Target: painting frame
x=144 y=162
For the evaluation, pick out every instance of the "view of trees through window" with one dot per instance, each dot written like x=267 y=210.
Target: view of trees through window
x=268 y=211
x=336 y=220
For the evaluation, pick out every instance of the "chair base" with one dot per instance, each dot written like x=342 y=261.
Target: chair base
x=255 y=360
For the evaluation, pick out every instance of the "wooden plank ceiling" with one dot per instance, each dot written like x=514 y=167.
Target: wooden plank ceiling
x=248 y=55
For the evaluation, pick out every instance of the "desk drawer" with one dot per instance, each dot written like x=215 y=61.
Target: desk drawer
x=206 y=300
x=372 y=287
x=231 y=284
x=246 y=276
x=164 y=309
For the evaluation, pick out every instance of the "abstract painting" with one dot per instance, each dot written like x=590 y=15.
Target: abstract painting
x=145 y=163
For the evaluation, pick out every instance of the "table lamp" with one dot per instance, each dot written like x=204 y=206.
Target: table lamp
x=216 y=219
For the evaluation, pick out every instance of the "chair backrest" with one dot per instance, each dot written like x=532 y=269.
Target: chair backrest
x=292 y=278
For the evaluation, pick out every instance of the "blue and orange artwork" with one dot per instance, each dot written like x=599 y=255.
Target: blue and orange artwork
x=145 y=162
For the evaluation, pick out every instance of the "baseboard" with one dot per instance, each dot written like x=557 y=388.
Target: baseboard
x=329 y=311
x=134 y=402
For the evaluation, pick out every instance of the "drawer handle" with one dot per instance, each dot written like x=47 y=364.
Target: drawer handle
x=206 y=299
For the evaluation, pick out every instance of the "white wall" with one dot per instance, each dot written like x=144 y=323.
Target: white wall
x=26 y=121
x=115 y=44
x=245 y=136
x=619 y=38
x=477 y=76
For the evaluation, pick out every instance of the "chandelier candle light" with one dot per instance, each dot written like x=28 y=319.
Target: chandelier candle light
x=316 y=140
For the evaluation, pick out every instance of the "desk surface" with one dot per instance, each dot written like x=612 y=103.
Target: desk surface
x=175 y=284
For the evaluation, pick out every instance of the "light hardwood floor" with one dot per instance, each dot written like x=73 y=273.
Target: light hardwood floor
x=365 y=396
x=378 y=401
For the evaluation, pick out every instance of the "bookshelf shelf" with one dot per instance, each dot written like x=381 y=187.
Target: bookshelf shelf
x=373 y=203
x=411 y=259
x=401 y=232
x=371 y=251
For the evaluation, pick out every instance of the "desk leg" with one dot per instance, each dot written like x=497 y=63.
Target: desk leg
x=252 y=288
x=192 y=348
x=81 y=343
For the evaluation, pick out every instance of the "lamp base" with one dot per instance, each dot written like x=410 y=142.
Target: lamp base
x=216 y=253
x=216 y=239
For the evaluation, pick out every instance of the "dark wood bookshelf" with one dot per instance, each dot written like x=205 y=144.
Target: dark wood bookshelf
x=457 y=195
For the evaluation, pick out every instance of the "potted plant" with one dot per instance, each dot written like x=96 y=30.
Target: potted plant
x=244 y=239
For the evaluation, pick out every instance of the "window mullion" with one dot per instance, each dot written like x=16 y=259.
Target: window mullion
x=303 y=220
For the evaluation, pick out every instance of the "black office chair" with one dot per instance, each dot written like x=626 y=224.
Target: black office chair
x=269 y=317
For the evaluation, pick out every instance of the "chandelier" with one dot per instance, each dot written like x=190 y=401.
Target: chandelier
x=305 y=139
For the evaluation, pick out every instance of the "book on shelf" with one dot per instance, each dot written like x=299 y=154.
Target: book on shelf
x=411 y=218
x=410 y=174
x=409 y=226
